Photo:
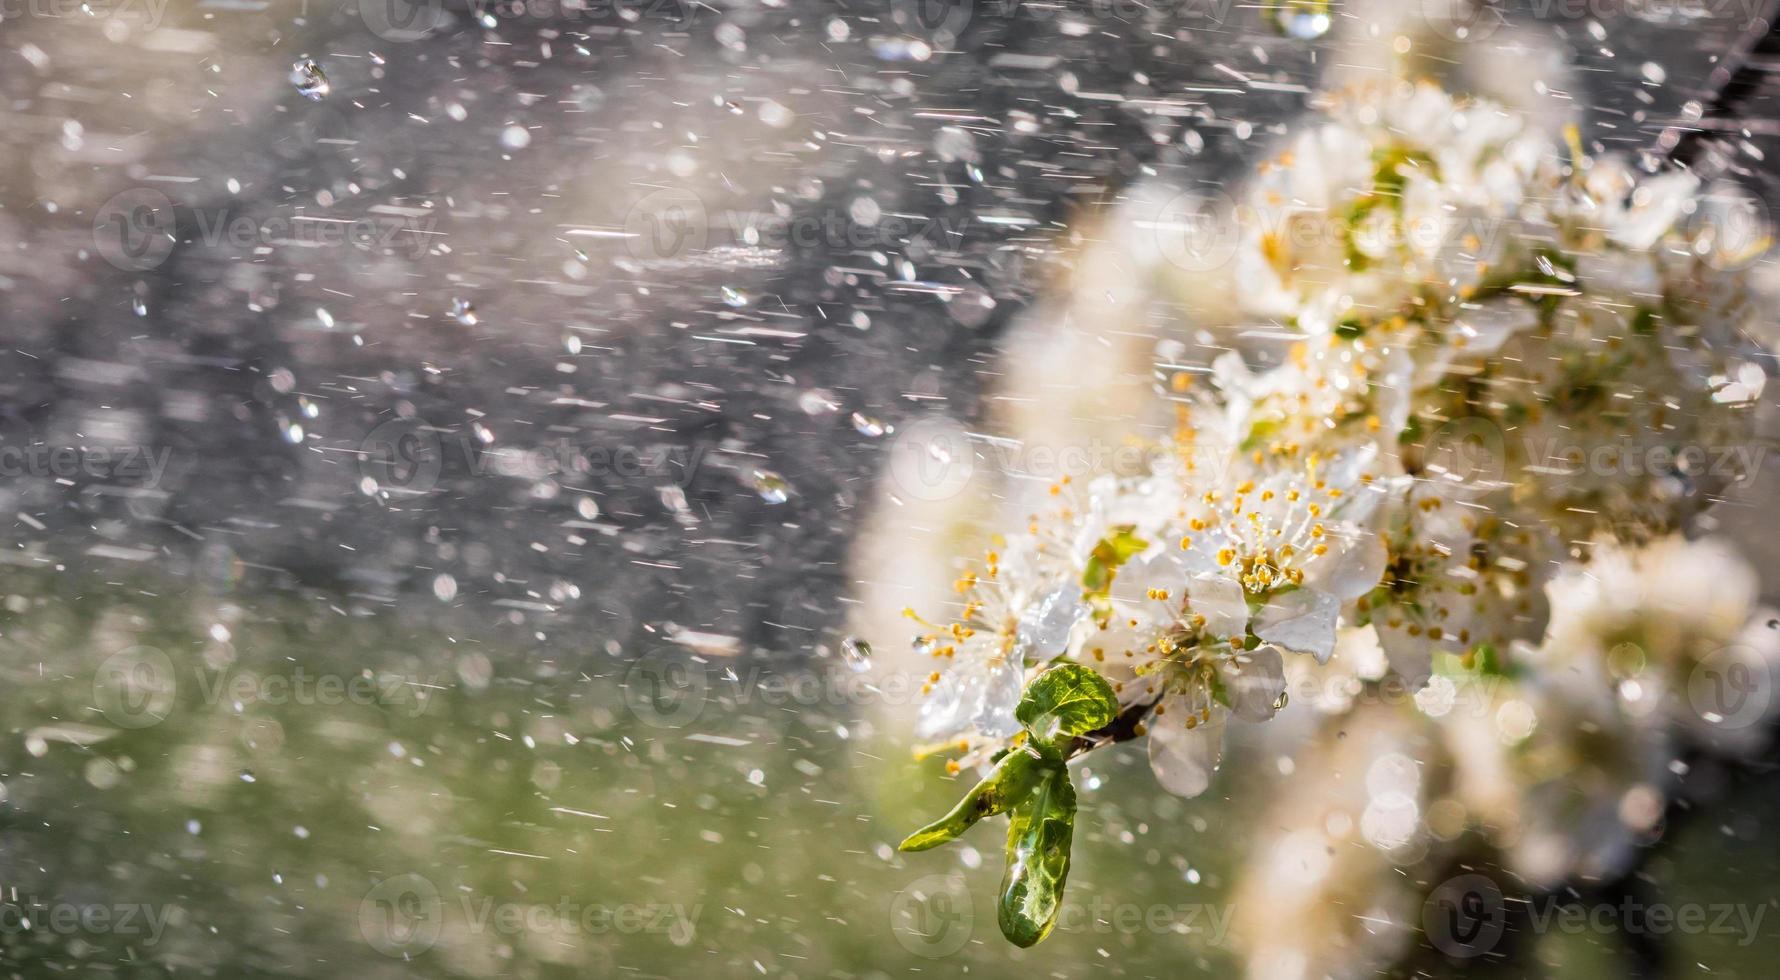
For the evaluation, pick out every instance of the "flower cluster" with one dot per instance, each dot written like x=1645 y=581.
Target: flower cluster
x=1490 y=358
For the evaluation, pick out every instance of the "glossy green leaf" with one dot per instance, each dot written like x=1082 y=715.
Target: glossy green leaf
x=1065 y=701
x=1011 y=781
x=1038 y=837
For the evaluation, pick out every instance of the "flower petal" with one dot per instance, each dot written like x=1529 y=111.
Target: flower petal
x=1254 y=681
x=1357 y=569
x=1221 y=601
x=1184 y=759
x=1001 y=695
x=1044 y=627
x=1412 y=657
x=1302 y=621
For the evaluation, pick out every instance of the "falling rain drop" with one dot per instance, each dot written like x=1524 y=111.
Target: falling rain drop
x=463 y=311
x=734 y=297
x=1305 y=20
x=310 y=80
x=867 y=426
x=771 y=486
x=856 y=653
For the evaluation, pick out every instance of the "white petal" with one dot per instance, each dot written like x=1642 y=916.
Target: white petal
x=1486 y=329
x=1001 y=695
x=1182 y=759
x=1661 y=201
x=1161 y=570
x=1044 y=627
x=1302 y=621
x=1412 y=657
x=1221 y=601
x=1254 y=682
x=1357 y=569
x=954 y=702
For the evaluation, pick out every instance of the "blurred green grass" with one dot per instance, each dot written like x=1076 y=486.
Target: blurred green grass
x=484 y=807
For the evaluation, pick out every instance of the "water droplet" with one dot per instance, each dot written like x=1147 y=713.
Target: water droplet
x=771 y=486
x=516 y=137
x=817 y=401
x=139 y=306
x=734 y=297
x=1305 y=20
x=856 y=653
x=310 y=80
x=571 y=343
x=867 y=426
x=463 y=311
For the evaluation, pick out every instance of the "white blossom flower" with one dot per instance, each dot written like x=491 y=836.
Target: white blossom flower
x=1685 y=642
x=1019 y=610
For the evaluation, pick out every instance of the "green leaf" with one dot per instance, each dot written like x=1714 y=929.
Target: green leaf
x=1038 y=838
x=1258 y=433
x=1065 y=701
x=1103 y=563
x=1011 y=781
x=1109 y=553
